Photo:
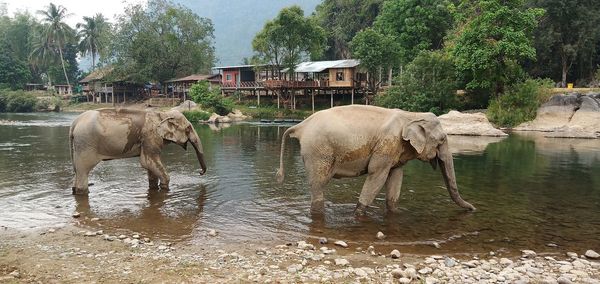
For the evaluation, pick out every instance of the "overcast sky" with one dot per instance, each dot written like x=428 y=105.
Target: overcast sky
x=78 y=8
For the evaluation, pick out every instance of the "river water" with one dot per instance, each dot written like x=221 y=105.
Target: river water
x=530 y=191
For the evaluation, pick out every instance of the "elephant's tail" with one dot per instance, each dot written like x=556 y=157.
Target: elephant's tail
x=71 y=138
x=281 y=173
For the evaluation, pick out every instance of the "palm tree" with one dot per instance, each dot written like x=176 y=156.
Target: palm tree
x=91 y=33
x=56 y=32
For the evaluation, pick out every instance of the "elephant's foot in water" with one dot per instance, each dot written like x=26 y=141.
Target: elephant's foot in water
x=80 y=191
x=317 y=208
x=361 y=210
x=392 y=208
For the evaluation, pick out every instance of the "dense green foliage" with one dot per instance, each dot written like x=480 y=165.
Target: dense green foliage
x=160 y=41
x=567 y=40
x=94 y=36
x=428 y=85
x=212 y=99
x=288 y=39
x=491 y=40
x=17 y=101
x=519 y=103
x=195 y=116
x=375 y=51
x=416 y=24
x=342 y=20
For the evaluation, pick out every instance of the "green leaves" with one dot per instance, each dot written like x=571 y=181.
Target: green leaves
x=161 y=41
x=202 y=93
x=492 y=38
x=289 y=38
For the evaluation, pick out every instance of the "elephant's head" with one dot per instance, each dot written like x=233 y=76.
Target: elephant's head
x=174 y=127
x=430 y=143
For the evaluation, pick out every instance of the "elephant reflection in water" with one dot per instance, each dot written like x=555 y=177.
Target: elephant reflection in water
x=152 y=219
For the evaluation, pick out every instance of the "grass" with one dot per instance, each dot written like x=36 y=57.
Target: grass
x=270 y=112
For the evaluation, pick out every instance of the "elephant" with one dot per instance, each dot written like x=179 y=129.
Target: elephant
x=107 y=134
x=354 y=140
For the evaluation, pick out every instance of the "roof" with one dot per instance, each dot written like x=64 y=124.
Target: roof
x=320 y=66
x=194 y=77
x=97 y=74
x=241 y=66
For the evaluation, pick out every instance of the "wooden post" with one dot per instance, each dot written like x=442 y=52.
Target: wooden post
x=258 y=98
x=277 y=98
x=352 y=97
x=293 y=100
x=332 y=98
x=313 y=100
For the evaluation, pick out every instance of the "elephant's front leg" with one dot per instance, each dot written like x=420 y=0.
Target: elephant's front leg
x=152 y=181
x=152 y=163
x=378 y=172
x=393 y=186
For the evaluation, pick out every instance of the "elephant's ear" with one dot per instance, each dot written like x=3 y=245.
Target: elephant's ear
x=166 y=129
x=415 y=134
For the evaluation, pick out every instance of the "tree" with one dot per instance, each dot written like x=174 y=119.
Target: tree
x=434 y=69
x=342 y=19
x=289 y=38
x=491 y=40
x=93 y=34
x=417 y=25
x=160 y=41
x=13 y=72
x=568 y=31
x=375 y=52
x=56 y=32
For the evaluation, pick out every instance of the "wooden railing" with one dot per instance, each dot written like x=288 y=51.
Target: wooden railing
x=274 y=84
x=240 y=85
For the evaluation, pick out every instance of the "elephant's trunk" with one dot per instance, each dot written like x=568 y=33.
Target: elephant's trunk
x=195 y=141
x=447 y=168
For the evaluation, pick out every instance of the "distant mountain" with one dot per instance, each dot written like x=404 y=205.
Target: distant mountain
x=236 y=22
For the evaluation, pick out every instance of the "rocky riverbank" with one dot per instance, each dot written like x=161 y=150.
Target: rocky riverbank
x=75 y=255
x=567 y=116
x=469 y=124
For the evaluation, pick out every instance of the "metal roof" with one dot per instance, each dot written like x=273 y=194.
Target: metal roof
x=320 y=66
x=195 y=77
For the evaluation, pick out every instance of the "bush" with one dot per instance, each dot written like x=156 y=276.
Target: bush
x=195 y=116
x=211 y=99
x=520 y=102
x=17 y=101
x=428 y=84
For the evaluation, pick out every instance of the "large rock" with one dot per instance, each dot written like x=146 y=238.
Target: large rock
x=186 y=106
x=472 y=124
x=567 y=116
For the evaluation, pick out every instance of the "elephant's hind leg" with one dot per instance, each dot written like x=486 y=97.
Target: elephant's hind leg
x=393 y=186
x=319 y=172
x=84 y=163
x=152 y=181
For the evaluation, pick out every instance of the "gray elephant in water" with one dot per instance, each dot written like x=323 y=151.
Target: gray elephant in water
x=350 y=141
x=107 y=134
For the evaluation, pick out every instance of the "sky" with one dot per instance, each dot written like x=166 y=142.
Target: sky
x=78 y=8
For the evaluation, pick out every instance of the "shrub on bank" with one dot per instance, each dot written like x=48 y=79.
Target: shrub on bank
x=202 y=94
x=17 y=101
x=195 y=116
x=519 y=103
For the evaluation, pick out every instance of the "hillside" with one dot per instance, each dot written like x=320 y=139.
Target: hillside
x=237 y=21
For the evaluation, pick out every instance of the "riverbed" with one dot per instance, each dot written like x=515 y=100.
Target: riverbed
x=531 y=193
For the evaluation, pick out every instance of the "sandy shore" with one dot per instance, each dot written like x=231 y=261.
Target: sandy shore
x=73 y=254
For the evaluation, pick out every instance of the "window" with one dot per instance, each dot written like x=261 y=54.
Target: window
x=228 y=77
x=339 y=76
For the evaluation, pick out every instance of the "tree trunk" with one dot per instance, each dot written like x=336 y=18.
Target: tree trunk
x=565 y=69
x=62 y=61
x=93 y=61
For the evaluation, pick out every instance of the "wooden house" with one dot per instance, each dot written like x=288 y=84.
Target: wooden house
x=239 y=76
x=100 y=89
x=180 y=87
x=334 y=74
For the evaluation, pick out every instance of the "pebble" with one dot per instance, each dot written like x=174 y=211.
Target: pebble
x=572 y=254
x=592 y=254
x=212 y=233
x=136 y=236
x=564 y=280
x=341 y=262
x=15 y=274
x=305 y=246
x=552 y=245
x=471 y=264
x=425 y=270
x=380 y=235
x=528 y=253
x=395 y=254
x=294 y=268
x=436 y=245
x=360 y=272
x=410 y=273
x=322 y=241
x=404 y=280
x=326 y=250
x=122 y=237
x=161 y=247
x=449 y=262
x=51 y=230
x=397 y=273
x=505 y=261
x=76 y=215
x=341 y=244
x=89 y=234
x=95 y=219
x=431 y=280
x=109 y=238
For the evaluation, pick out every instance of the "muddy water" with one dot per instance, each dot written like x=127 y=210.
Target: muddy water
x=529 y=191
